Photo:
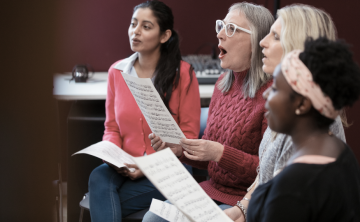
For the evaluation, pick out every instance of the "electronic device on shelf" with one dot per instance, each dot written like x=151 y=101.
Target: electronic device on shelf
x=206 y=68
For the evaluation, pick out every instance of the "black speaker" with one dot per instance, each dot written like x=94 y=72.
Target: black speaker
x=85 y=127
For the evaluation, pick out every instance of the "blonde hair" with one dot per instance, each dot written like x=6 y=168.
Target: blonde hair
x=260 y=20
x=300 y=22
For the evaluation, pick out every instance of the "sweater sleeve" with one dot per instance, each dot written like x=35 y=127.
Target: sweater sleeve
x=240 y=163
x=112 y=130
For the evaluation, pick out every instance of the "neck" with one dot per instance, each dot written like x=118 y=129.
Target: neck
x=242 y=69
x=307 y=137
x=146 y=63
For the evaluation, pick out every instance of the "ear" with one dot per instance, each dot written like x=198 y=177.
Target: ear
x=304 y=105
x=165 y=36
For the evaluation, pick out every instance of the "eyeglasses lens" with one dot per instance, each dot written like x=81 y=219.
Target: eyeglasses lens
x=219 y=26
x=230 y=28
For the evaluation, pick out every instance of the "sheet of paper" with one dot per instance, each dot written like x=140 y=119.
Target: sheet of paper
x=171 y=178
x=154 y=110
x=109 y=152
x=167 y=211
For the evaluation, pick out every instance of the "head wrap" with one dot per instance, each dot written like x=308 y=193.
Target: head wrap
x=300 y=79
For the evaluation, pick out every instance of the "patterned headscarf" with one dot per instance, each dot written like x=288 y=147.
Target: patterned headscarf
x=300 y=79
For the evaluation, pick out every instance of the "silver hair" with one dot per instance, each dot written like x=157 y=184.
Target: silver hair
x=260 y=20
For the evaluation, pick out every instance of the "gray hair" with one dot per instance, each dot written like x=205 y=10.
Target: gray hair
x=260 y=20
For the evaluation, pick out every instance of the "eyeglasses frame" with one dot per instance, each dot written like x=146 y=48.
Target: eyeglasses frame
x=236 y=27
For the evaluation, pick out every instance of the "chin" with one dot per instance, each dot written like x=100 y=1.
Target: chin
x=223 y=65
x=267 y=70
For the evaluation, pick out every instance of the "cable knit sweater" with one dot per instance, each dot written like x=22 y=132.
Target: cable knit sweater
x=238 y=123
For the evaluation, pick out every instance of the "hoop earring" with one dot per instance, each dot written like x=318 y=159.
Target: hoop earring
x=297 y=111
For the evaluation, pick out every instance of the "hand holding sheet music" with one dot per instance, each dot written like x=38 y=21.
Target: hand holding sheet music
x=171 y=178
x=154 y=110
x=109 y=152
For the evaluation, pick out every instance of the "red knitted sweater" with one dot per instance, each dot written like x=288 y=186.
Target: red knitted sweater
x=238 y=124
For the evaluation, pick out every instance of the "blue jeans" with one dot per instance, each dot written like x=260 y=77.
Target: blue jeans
x=151 y=217
x=113 y=196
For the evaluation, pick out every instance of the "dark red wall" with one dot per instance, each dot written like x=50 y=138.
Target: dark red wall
x=95 y=32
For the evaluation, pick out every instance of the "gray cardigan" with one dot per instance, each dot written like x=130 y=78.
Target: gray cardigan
x=279 y=151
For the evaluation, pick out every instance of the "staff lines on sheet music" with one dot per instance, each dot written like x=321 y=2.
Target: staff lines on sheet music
x=144 y=88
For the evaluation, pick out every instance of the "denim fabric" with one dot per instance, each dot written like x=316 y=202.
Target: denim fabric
x=113 y=196
x=151 y=217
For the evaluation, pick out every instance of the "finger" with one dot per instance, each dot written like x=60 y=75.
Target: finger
x=131 y=166
x=161 y=147
x=190 y=142
x=132 y=175
x=155 y=140
x=125 y=174
x=190 y=151
x=190 y=157
x=152 y=135
x=157 y=144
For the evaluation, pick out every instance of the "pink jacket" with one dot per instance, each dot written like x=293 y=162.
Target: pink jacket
x=126 y=126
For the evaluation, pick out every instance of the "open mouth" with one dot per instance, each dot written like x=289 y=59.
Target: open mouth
x=264 y=56
x=223 y=52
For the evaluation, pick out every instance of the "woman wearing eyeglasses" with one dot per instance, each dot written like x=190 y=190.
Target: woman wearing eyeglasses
x=236 y=123
x=289 y=32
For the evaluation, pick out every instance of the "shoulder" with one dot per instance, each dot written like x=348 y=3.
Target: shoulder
x=115 y=66
x=294 y=178
x=185 y=75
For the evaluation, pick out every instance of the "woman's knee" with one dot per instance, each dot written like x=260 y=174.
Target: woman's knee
x=151 y=217
x=101 y=173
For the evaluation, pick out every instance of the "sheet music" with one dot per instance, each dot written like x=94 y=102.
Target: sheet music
x=171 y=178
x=109 y=152
x=154 y=110
x=167 y=211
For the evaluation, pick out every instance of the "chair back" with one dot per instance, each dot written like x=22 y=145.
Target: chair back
x=203 y=120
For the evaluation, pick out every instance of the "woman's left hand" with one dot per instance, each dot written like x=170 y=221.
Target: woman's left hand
x=202 y=150
x=136 y=174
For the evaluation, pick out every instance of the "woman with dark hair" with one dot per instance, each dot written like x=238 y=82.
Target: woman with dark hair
x=321 y=181
x=114 y=192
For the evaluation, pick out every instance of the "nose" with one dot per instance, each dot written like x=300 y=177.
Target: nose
x=136 y=30
x=266 y=93
x=221 y=34
x=263 y=42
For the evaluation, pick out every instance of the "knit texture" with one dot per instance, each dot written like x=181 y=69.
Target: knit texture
x=238 y=123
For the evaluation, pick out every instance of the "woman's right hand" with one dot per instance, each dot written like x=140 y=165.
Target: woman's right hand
x=157 y=144
x=235 y=214
x=123 y=170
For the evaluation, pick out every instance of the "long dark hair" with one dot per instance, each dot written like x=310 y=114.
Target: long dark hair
x=167 y=72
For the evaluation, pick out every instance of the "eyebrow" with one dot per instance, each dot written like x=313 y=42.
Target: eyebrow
x=143 y=21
